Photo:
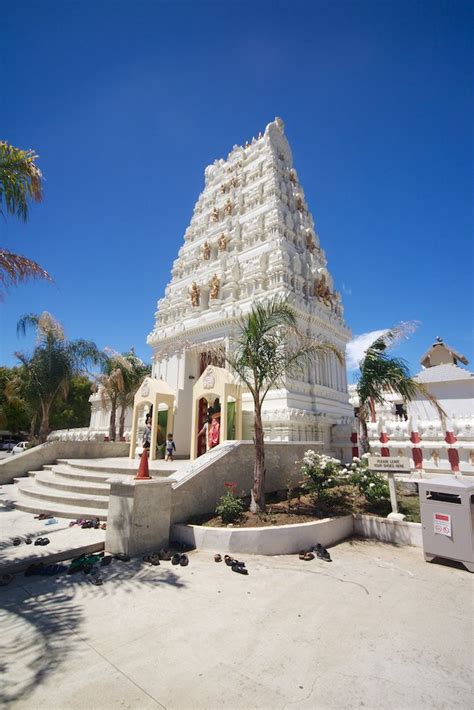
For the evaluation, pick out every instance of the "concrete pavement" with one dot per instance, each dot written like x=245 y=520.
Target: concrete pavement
x=376 y=628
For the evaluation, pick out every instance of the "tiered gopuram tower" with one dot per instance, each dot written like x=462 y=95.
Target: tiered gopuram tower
x=251 y=237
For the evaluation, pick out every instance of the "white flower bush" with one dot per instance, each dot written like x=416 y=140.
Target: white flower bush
x=322 y=472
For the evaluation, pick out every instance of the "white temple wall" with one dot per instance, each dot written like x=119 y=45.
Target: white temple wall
x=456 y=398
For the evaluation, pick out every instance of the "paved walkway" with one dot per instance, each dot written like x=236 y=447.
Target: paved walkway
x=376 y=628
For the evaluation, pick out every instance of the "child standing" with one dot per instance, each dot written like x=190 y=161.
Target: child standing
x=170 y=448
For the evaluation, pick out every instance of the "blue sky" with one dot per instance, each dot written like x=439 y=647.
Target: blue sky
x=126 y=103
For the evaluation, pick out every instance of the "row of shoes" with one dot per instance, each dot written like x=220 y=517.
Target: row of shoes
x=178 y=558
x=319 y=551
x=86 y=524
x=28 y=540
x=235 y=565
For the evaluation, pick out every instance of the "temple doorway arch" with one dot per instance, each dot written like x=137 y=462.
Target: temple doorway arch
x=217 y=410
x=156 y=398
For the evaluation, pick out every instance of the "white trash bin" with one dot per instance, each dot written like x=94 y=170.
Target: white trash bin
x=447 y=518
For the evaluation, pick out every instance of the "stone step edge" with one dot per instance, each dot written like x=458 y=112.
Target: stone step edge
x=61 y=511
x=49 y=558
x=45 y=479
x=69 y=498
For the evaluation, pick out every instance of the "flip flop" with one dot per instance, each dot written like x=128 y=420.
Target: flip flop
x=122 y=557
x=306 y=556
x=106 y=560
x=165 y=555
x=96 y=579
x=322 y=553
x=217 y=557
x=175 y=560
x=239 y=569
x=184 y=560
x=28 y=541
x=39 y=541
x=16 y=541
x=228 y=560
x=51 y=521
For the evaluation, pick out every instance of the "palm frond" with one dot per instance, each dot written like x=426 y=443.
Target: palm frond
x=20 y=180
x=15 y=269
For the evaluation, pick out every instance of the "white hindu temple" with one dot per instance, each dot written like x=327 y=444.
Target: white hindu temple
x=251 y=237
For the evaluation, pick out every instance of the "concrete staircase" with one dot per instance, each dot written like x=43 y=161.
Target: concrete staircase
x=70 y=488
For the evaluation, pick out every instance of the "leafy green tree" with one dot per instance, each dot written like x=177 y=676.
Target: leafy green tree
x=132 y=378
x=48 y=372
x=20 y=182
x=269 y=348
x=381 y=374
x=15 y=415
x=75 y=410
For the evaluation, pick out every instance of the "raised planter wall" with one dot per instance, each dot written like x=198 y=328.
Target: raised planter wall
x=287 y=539
x=397 y=532
x=34 y=459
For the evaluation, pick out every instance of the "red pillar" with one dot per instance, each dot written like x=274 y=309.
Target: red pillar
x=383 y=438
x=355 y=447
x=416 y=452
x=453 y=455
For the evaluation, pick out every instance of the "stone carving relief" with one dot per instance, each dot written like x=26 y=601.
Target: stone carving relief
x=228 y=208
x=300 y=204
x=214 y=287
x=215 y=215
x=209 y=379
x=322 y=291
x=206 y=251
x=310 y=245
x=222 y=242
x=195 y=294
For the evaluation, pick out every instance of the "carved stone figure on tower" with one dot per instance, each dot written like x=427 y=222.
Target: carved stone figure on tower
x=215 y=215
x=195 y=294
x=222 y=243
x=228 y=208
x=214 y=287
x=206 y=251
x=310 y=242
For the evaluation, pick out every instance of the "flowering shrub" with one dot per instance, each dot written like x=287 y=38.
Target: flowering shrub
x=230 y=508
x=371 y=484
x=320 y=473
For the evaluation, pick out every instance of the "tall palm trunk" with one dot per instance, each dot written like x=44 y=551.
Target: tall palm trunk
x=258 y=491
x=113 y=420
x=44 y=428
x=122 y=422
x=363 y=434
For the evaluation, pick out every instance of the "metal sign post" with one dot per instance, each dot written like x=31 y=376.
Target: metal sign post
x=391 y=465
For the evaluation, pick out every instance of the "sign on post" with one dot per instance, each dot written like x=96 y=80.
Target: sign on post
x=387 y=464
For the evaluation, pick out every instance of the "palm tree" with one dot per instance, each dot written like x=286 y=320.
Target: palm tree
x=55 y=361
x=381 y=375
x=121 y=376
x=20 y=182
x=268 y=349
x=132 y=381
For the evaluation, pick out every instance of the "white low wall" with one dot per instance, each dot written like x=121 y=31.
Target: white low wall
x=397 y=532
x=34 y=459
x=281 y=540
x=287 y=539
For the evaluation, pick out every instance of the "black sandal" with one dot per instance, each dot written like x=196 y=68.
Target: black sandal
x=184 y=560
x=175 y=560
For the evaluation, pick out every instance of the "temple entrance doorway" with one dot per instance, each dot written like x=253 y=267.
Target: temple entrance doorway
x=217 y=410
x=153 y=415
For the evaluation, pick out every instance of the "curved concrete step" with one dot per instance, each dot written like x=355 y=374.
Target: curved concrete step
x=60 y=510
x=44 y=494
x=77 y=474
x=95 y=466
x=49 y=479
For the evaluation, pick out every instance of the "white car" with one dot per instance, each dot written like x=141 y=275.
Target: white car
x=21 y=446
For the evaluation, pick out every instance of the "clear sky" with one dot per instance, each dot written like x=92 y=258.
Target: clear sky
x=127 y=102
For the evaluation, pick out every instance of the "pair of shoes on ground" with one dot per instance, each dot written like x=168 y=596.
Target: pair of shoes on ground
x=235 y=565
x=42 y=541
x=38 y=568
x=18 y=540
x=153 y=559
x=320 y=552
x=44 y=516
x=91 y=524
x=180 y=559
